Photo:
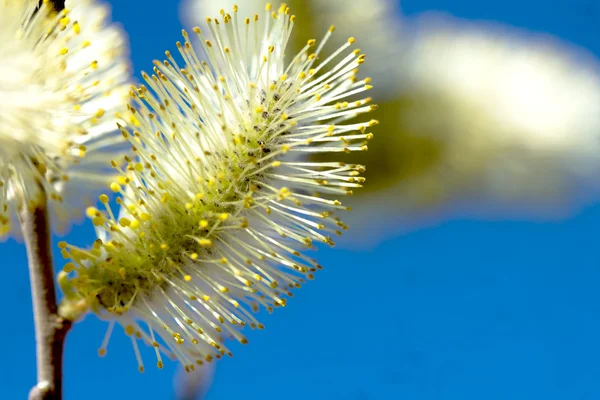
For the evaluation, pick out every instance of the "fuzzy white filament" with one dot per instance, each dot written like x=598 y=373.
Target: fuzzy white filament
x=62 y=81
x=220 y=203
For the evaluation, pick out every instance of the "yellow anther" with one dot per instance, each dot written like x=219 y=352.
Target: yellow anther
x=145 y=217
x=205 y=242
x=115 y=187
x=103 y=198
x=223 y=216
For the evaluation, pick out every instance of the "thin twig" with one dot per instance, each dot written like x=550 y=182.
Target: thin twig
x=50 y=328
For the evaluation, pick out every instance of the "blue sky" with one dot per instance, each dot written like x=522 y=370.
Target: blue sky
x=462 y=310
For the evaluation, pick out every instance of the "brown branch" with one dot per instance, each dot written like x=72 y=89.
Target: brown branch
x=50 y=328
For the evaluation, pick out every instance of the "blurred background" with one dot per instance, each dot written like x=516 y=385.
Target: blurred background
x=470 y=270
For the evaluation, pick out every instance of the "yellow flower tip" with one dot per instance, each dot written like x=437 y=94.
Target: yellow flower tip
x=187 y=278
x=351 y=40
x=65 y=254
x=223 y=216
x=205 y=242
x=101 y=352
x=103 y=198
x=124 y=222
x=115 y=187
x=145 y=217
x=69 y=267
x=98 y=221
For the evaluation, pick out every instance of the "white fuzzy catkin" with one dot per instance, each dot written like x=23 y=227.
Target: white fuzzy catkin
x=63 y=80
x=219 y=206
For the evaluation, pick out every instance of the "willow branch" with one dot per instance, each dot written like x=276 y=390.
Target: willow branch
x=50 y=328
